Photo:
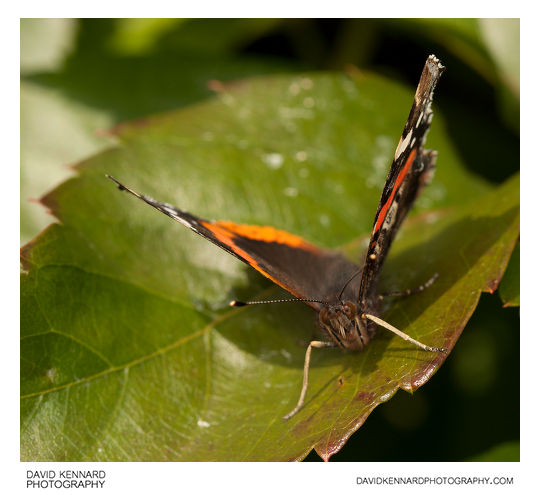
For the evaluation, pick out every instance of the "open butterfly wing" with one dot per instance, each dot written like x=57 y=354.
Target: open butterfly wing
x=293 y=263
x=411 y=169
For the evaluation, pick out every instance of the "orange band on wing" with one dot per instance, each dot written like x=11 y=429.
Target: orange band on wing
x=225 y=232
x=265 y=234
x=400 y=178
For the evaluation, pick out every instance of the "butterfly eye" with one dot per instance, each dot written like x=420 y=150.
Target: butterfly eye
x=350 y=309
x=323 y=315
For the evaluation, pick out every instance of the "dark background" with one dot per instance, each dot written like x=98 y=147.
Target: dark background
x=102 y=72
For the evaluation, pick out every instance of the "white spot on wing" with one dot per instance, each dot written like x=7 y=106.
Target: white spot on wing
x=174 y=214
x=403 y=144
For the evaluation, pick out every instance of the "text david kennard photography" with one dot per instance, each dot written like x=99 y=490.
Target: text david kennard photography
x=65 y=478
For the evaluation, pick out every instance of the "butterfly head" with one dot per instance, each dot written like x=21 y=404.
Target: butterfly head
x=345 y=325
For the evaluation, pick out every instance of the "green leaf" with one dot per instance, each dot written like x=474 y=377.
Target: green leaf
x=504 y=452
x=489 y=46
x=509 y=288
x=55 y=130
x=218 y=36
x=72 y=86
x=129 y=349
x=501 y=38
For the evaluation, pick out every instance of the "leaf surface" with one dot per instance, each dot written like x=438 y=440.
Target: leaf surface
x=129 y=349
x=509 y=288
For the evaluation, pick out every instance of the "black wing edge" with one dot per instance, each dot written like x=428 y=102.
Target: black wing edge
x=411 y=169
x=181 y=216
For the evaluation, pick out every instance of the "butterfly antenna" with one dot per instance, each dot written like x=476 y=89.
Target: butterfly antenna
x=355 y=274
x=236 y=303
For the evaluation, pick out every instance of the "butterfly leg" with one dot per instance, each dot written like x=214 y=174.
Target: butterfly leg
x=316 y=335
x=408 y=292
x=404 y=336
x=314 y=343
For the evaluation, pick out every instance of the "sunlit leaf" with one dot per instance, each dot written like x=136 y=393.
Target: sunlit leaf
x=129 y=349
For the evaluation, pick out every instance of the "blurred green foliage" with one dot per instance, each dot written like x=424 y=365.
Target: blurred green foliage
x=509 y=287
x=82 y=76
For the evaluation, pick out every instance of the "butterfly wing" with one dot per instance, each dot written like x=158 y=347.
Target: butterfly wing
x=293 y=263
x=412 y=168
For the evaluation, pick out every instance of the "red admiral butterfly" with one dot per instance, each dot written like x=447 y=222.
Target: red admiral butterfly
x=346 y=298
